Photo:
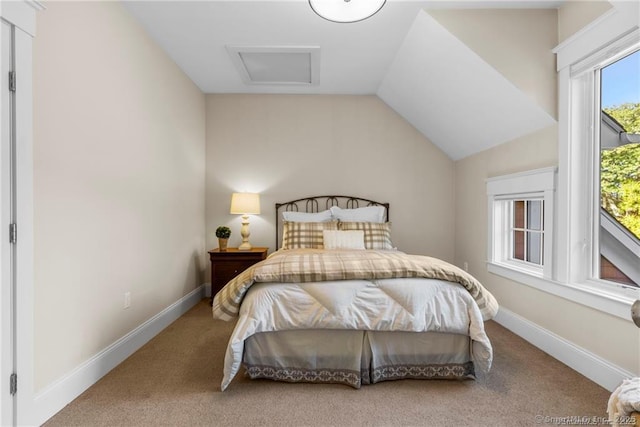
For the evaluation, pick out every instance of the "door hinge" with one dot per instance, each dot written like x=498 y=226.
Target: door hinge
x=12 y=81
x=13 y=233
x=13 y=384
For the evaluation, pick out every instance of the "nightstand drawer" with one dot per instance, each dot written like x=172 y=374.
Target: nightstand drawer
x=228 y=264
x=227 y=270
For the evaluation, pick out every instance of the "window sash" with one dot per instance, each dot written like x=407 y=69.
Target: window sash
x=585 y=127
x=502 y=191
x=527 y=231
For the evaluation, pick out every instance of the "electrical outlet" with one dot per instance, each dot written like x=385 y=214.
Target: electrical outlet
x=465 y=265
x=127 y=300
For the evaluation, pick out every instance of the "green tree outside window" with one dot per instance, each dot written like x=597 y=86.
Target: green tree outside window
x=620 y=172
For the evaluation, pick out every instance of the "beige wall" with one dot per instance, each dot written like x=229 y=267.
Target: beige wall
x=609 y=337
x=118 y=182
x=517 y=43
x=292 y=146
x=123 y=204
x=575 y=14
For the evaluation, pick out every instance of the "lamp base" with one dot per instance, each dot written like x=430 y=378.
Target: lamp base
x=244 y=232
x=246 y=246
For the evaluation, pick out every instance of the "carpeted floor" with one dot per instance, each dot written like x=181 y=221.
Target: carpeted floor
x=174 y=380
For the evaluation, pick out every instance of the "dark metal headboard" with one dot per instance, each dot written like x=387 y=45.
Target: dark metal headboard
x=321 y=203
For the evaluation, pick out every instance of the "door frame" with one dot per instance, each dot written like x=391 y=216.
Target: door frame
x=7 y=250
x=22 y=15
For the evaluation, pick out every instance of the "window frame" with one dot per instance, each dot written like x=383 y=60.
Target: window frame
x=582 y=156
x=577 y=192
x=502 y=191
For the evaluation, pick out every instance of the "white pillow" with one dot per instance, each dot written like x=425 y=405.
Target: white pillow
x=366 y=214
x=336 y=239
x=293 y=216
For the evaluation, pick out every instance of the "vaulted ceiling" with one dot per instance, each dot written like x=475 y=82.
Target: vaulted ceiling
x=401 y=54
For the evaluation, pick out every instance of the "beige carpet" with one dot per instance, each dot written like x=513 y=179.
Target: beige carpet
x=174 y=380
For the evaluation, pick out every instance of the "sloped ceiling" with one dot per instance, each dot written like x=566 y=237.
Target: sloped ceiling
x=458 y=101
x=463 y=105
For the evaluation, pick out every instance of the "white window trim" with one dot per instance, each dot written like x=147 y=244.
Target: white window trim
x=596 y=294
x=534 y=184
x=574 y=232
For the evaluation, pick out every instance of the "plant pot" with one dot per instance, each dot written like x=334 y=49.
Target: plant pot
x=222 y=244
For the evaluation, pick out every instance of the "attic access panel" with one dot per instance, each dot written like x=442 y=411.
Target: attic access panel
x=277 y=65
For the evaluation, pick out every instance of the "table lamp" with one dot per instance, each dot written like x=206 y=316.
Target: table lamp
x=245 y=204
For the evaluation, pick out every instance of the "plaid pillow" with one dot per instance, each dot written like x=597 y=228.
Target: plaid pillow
x=376 y=235
x=299 y=235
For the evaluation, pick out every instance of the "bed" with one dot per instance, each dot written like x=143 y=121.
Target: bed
x=337 y=303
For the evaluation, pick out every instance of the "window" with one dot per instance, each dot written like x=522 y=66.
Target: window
x=521 y=221
x=605 y=167
x=618 y=257
x=527 y=232
x=579 y=234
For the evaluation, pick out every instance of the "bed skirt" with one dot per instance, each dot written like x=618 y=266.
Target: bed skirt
x=355 y=358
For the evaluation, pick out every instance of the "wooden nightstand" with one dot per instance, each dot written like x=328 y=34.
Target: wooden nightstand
x=226 y=265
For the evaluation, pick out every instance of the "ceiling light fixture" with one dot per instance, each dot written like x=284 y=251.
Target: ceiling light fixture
x=346 y=10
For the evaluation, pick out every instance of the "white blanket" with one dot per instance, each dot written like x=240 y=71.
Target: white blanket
x=314 y=265
x=400 y=304
x=624 y=400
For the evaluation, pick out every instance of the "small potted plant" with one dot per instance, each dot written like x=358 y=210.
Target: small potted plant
x=223 y=233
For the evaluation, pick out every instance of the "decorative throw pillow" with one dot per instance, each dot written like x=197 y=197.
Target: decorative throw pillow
x=336 y=239
x=366 y=214
x=295 y=216
x=300 y=235
x=376 y=235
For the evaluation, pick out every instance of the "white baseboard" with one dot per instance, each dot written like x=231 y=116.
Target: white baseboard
x=60 y=393
x=57 y=395
x=597 y=369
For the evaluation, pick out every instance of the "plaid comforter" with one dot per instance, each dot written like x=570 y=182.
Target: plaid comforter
x=317 y=265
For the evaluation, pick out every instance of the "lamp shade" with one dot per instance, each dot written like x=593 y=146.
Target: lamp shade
x=245 y=203
x=346 y=10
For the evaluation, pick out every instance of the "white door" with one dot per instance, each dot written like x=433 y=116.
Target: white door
x=17 y=29
x=7 y=218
